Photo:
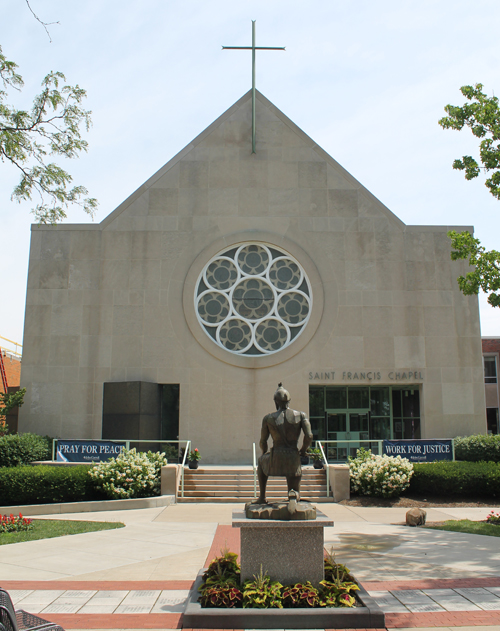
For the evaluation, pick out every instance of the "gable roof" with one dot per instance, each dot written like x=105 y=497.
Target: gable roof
x=338 y=176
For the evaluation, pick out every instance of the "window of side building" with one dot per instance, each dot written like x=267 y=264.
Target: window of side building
x=490 y=369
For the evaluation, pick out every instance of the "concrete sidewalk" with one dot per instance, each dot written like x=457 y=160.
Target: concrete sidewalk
x=172 y=544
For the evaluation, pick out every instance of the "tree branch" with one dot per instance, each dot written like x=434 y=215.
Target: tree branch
x=44 y=24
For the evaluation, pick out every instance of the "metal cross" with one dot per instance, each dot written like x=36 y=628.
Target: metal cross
x=253 y=48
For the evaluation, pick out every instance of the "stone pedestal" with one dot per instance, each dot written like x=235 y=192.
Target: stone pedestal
x=289 y=551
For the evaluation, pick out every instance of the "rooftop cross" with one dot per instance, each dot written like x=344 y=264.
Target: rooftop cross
x=253 y=48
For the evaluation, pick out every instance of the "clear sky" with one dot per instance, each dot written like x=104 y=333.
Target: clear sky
x=366 y=80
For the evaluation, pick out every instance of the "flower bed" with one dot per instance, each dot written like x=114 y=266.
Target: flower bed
x=15 y=523
x=221 y=588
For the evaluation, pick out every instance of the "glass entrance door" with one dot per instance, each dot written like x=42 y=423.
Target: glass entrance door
x=349 y=425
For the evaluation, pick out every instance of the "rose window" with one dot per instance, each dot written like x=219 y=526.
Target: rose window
x=253 y=299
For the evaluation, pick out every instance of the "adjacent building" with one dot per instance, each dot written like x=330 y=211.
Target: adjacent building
x=491 y=352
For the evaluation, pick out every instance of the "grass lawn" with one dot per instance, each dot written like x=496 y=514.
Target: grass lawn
x=48 y=528
x=466 y=525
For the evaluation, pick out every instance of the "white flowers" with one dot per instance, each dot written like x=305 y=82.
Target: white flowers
x=385 y=476
x=131 y=474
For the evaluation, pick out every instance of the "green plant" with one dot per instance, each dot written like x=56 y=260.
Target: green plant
x=493 y=518
x=456 y=479
x=129 y=475
x=220 y=592
x=8 y=401
x=262 y=593
x=21 y=449
x=382 y=476
x=315 y=454
x=336 y=589
x=226 y=565
x=44 y=484
x=335 y=571
x=14 y=523
x=300 y=595
x=220 y=587
x=171 y=452
x=477 y=448
x=194 y=455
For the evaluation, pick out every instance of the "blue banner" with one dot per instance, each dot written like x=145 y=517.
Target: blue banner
x=87 y=450
x=421 y=450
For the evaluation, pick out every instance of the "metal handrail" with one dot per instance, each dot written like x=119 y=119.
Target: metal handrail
x=188 y=445
x=357 y=442
x=254 y=471
x=325 y=462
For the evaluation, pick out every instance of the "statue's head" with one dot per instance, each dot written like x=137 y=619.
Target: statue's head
x=281 y=397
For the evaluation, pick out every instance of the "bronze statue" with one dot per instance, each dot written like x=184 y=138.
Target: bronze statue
x=285 y=426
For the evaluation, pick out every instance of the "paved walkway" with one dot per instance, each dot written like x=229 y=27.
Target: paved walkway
x=139 y=576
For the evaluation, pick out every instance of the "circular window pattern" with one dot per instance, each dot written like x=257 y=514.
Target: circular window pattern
x=253 y=299
x=222 y=274
x=213 y=307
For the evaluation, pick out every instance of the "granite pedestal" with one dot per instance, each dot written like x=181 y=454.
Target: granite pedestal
x=289 y=551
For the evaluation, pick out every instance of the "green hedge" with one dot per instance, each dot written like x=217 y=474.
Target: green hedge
x=19 y=449
x=478 y=448
x=42 y=484
x=456 y=479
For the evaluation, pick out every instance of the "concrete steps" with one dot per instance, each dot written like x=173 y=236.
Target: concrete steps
x=237 y=485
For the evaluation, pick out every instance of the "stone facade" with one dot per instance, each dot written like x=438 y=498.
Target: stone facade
x=115 y=302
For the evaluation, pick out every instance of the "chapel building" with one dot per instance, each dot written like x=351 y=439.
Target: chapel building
x=228 y=272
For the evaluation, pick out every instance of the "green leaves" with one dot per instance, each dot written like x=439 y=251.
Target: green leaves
x=485 y=274
x=51 y=128
x=482 y=116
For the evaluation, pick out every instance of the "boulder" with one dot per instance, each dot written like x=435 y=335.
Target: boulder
x=415 y=517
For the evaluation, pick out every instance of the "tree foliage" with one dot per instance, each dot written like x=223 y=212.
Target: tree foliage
x=482 y=116
x=52 y=127
x=486 y=264
x=8 y=401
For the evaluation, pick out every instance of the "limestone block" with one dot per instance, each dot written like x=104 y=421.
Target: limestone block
x=64 y=350
x=55 y=244
x=312 y=174
x=193 y=174
x=53 y=274
x=170 y=476
x=84 y=274
x=458 y=398
x=85 y=244
x=409 y=351
x=289 y=551
x=416 y=517
x=223 y=201
x=339 y=481
x=193 y=201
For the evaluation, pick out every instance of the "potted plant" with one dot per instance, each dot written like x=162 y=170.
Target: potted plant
x=193 y=459
x=317 y=457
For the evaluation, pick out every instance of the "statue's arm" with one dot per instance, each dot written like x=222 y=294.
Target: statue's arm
x=264 y=435
x=308 y=435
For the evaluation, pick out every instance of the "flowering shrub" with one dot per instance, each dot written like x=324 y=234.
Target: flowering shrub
x=130 y=474
x=493 y=518
x=382 y=476
x=194 y=455
x=12 y=523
